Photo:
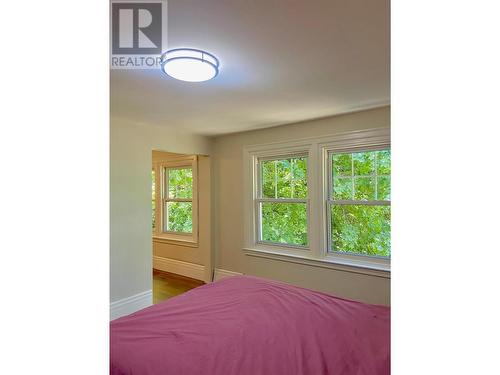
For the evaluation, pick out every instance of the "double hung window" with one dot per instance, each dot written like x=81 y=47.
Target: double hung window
x=178 y=200
x=359 y=203
x=325 y=199
x=282 y=201
x=175 y=204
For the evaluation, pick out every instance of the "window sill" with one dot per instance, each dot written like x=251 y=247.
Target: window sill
x=179 y=242
x=365 y=268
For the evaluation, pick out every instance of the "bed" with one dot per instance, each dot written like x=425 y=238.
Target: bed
x=251 y=326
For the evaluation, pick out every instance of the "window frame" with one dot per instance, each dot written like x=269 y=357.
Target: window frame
x=317 y=150
x=251 y=160
x=342 y=256
x=161 y=175
x=259 y=199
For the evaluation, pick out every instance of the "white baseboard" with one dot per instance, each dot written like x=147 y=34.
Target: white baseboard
x=194 y=271
x=220 y=274
x=131 y=304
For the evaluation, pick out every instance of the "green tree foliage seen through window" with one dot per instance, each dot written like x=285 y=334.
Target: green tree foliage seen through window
x=284 y=222
x=180 y=183
x=180 y=217
x=179 y=206
x=360 y=210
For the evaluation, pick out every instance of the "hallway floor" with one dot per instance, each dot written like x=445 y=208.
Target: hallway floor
x=167 y=285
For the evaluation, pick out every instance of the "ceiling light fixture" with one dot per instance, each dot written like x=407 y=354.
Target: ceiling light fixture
x=188 y=64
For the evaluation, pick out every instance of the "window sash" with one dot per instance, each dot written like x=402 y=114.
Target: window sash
x=283 y=200
x=347 y=202
x=258 y=210
x=166 y=184
x=330 y=248
x=260 y=180
x=353 y=177
x=165 y=221
x=177 y=200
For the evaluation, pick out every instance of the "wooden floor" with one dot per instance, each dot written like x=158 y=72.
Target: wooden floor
x=167 y=285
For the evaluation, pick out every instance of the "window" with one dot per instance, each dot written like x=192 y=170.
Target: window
x=282 y=201
x=176 y=204
x=359 y=203
x=178 y=201
x=321 y=201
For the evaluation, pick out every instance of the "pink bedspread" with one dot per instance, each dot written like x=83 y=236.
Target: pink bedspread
x=250 y=326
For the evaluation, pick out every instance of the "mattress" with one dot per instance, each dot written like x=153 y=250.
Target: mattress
x=247 y=325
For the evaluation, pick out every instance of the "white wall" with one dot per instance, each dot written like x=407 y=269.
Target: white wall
x=228 y=203
x=131 y=245
x=130 y=200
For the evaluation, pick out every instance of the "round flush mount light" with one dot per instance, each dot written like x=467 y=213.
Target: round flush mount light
x=189 y=64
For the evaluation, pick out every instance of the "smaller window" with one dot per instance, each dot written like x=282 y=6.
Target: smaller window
x=178 y=201
x=175 y=200
x=282 y=203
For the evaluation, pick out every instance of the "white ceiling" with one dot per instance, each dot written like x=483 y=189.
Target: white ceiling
x=282 y=61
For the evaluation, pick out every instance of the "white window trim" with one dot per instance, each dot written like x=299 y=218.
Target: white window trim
x=176 y=238
x=317 y=149
x=259 y=199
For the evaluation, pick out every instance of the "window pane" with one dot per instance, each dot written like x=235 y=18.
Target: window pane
x=299 y=178
x=284 y=178
x=384 y=188
x=384 y=162
x=370 y=175
x=284 y=223
x=364 y=163
x=364 y=188
x=179 y=217
x=180 y=183
x=341 y=165
x=361 y=229
x=342 y=188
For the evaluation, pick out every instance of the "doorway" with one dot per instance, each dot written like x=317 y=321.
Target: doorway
x=181 y=222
